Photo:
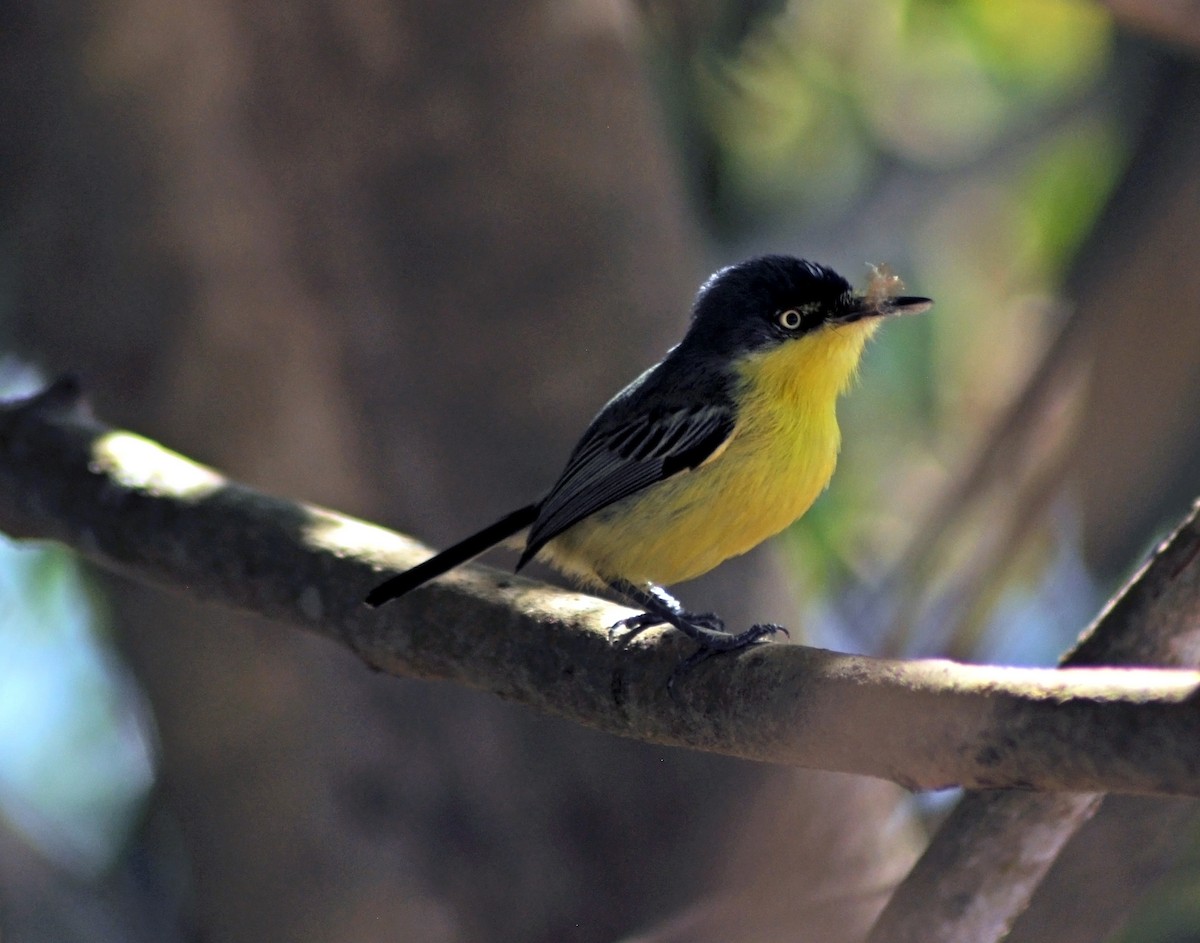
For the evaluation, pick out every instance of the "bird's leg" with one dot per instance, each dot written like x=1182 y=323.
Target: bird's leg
x=705 y=628
x=661 y=608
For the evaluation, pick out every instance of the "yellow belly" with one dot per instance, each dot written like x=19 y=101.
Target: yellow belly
x=779 y=459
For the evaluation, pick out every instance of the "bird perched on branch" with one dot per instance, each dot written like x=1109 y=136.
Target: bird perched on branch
x=723 y=443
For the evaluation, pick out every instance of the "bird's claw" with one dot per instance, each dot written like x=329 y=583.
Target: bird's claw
x=765 y=630
x=632 y=625
x=735 y=643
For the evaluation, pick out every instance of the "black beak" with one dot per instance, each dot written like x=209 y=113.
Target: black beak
x=864 y=307
x=906 y=304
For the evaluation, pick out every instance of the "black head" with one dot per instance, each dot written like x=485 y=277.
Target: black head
x=768 y=300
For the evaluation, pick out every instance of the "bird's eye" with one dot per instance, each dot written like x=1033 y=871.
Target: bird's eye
x=789 y=320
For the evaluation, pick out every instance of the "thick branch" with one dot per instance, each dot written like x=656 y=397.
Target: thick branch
x=131 y=506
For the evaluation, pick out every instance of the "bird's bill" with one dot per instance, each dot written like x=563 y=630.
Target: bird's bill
x=882 y=308
x=906 y=304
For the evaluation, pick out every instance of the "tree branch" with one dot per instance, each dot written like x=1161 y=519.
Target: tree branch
x=992 y=852
x=132 y=506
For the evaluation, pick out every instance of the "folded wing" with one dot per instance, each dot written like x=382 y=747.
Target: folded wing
x=614 y=461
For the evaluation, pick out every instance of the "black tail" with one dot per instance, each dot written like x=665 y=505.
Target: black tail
x=451 y=557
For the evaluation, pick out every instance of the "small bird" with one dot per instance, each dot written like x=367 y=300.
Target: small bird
x=722 y=444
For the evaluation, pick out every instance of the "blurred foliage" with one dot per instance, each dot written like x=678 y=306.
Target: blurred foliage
x=75 y=765
x=1171 y=912
x=817 y=98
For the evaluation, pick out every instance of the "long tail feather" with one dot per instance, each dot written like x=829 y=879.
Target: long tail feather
x=451 y=557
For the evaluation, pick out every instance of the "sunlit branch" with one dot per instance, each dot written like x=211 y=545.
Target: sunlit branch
x=131 y=506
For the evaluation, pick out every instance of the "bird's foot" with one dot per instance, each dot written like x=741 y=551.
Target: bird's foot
x=708 y=622
x=720 y=645
x=706 y=629
x=631 y=626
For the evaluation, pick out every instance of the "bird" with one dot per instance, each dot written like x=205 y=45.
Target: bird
x=722 y=444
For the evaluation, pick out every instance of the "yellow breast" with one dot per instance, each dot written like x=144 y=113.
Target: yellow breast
x=779 y=458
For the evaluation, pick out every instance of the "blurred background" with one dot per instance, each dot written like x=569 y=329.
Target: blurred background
x=391 y=257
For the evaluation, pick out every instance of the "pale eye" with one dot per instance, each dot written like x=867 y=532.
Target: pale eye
x=789 y=320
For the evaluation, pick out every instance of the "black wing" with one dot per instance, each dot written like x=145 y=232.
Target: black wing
x=617 y=459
